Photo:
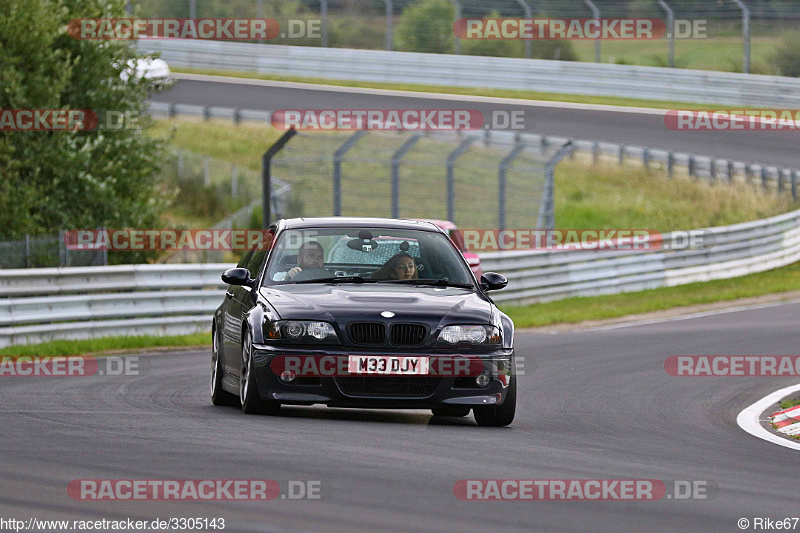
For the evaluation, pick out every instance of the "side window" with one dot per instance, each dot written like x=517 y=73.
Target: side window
x=254 y=264
x=244 y=260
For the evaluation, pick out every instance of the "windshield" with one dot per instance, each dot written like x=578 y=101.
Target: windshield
x=365 y=255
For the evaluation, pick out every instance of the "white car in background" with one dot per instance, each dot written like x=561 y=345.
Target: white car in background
x=150 y=68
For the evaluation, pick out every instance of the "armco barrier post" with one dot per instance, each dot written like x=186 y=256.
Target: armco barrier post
x=266 y=176
x=338 y=155
x=731 y=171
x=396 y=157
x=501 y=183
x=691 y=166
x=646 y=158
x=794 y=185
x=670 y=164
x=595 y=152
x=451 y=179
x=621 y=154
x=764 y=176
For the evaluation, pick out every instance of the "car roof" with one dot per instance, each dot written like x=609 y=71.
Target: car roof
x=349 y=222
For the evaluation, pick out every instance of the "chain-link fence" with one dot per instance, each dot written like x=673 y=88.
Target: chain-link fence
x=43 y=251
x=480 y=180
x=427 y=26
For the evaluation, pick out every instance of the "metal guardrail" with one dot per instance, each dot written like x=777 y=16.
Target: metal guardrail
x=568 y=77
x=179 y=299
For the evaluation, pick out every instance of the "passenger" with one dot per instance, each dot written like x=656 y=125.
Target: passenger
x=400 y=266
x=310 y=255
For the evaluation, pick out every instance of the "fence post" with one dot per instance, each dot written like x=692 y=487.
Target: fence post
x=323 y=14
x=691 y=166
x=764 y=176
x=192 y=9
x=546 y=218
x=501 y=190
x=670 y=31
x=389 y=12
x=745 y=34
x=62 y=249
x=731 y=171
x=266 y=175
x=27 y=250
x=712 y=169
x=781 y=171
x=260 y=14
x=451 y=180
x=526 y=9
x=595 y=152
x=338 y=155
x=457 y=14
x=794 y=184
x=396 y=157
x=621 y=154
x=596 y=16
x=646 y=157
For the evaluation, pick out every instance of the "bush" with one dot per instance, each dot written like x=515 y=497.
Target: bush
x=787 y=57
x=426 y=26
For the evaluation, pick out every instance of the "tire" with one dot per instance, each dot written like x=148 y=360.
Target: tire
x=451 y=410
x=249 y=398
x=499 y=415
x=219 y=396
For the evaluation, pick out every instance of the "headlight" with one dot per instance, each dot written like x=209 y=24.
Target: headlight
x=470 y=334
x=300 y=331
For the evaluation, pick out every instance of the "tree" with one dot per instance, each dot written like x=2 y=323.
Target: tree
x=52 y=180
x=426 y=26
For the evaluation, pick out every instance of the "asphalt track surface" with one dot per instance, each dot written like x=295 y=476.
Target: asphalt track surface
x=639 y=129
x=597 y=405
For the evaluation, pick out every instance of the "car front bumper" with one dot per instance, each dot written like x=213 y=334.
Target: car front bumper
x=331 y=389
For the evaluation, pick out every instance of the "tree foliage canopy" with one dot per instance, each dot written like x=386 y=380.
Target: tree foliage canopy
x=52 y=180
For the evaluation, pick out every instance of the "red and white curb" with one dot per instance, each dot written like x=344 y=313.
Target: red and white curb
x=749 y=419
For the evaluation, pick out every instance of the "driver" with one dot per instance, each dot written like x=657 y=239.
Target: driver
x=309 y=255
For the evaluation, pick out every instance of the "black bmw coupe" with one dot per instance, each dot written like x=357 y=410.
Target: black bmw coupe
x=362 y=312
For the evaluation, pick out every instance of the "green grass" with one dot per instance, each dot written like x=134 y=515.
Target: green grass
x=714 y=53
x=105 y=345
x=789 y=402
x=477 y=91
x=574 y=310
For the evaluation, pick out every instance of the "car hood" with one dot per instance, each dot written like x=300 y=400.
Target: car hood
x=344 y=303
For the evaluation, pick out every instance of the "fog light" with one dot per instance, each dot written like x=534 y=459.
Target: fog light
x=287 y=376
x=483 y=380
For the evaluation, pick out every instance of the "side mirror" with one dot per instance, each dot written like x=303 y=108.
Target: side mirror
x=237 y=276
x=492 y=281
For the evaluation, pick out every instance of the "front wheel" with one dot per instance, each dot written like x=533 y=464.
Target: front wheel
x=499 y=415
x=251 y=401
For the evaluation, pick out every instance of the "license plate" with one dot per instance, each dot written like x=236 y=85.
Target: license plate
x=388 y=365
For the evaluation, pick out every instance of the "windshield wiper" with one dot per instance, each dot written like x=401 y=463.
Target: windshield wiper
x=434 y=282
x=338 y=279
